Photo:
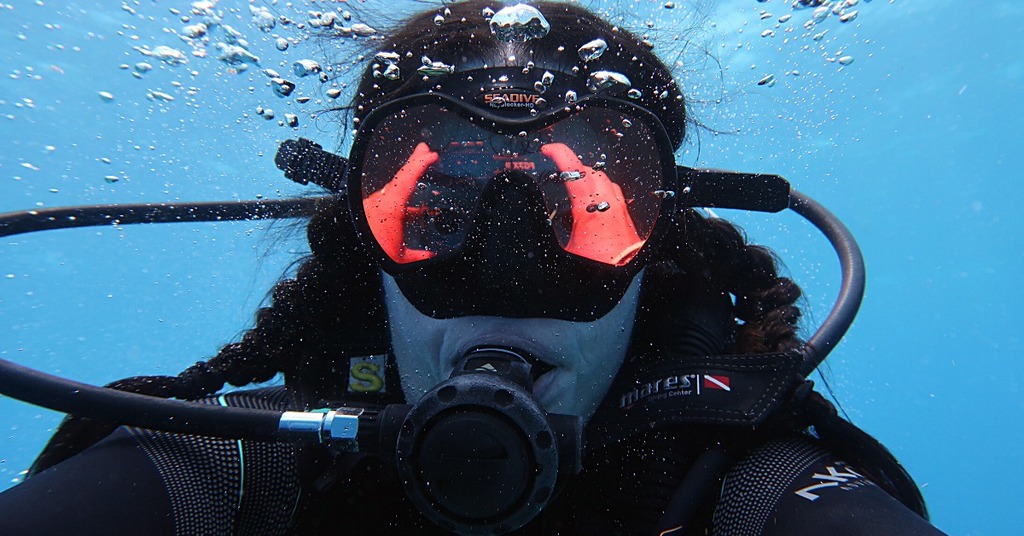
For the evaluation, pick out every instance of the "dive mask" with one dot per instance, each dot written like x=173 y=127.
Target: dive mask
x=548 y=208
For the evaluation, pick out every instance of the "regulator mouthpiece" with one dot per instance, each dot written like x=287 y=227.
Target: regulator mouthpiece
x=478 y=454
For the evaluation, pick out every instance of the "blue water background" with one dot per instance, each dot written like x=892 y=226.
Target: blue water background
x=916 y=145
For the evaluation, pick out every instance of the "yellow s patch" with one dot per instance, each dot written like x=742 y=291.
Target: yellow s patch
x=366 y=374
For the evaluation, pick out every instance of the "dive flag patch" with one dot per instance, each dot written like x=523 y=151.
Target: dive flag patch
x=716 y=381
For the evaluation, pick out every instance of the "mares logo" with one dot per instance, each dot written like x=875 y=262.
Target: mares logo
x=509 y=98
x=366 y=374
x=672 y=386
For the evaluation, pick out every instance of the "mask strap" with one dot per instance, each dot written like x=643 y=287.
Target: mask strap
x=712 y=188
x=305 y=161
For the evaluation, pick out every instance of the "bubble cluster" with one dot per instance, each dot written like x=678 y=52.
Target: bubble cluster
x=818 y=13
x=389 y=62
x=235 y=36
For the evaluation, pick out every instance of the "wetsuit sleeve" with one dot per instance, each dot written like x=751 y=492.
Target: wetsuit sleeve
x=225 y=486
x=792 y=487
x=110 y=488
x=144 y=482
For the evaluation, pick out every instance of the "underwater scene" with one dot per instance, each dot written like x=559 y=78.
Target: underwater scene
x=902 y=117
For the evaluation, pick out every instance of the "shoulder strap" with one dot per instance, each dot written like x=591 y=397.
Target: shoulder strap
x=741 y=391
x=751 y=392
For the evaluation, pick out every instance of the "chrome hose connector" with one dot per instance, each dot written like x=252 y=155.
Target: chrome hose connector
x=337 y=427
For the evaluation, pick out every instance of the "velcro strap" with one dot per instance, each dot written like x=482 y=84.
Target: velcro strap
x=736 y=390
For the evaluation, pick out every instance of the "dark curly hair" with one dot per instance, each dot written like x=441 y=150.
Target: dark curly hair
x=333 y=307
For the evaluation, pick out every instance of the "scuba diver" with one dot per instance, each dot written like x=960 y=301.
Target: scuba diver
x=513 y=299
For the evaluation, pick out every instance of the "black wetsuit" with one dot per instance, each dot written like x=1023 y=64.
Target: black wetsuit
x=141 y=482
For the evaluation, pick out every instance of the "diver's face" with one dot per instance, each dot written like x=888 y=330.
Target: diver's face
x=584 y=356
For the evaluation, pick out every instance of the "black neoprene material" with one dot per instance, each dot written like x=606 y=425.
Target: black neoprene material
x=791 y=486
x=111 y=488
x=226 y=486
x=154 y=483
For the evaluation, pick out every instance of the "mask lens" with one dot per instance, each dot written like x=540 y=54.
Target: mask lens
x=603 y=200
x=415 y=207
x=426 y=167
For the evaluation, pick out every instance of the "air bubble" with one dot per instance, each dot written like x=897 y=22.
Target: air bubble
x=363 y=30
x=387 y=57
x=607 y=81
x=282 y=87
x=166 y=54
x=519 y=23
x=592 y=50
x=392 y=72
x=434 y=68
x=306 y=67
x=263 y=18
x=236 y=55
x=194 y=31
